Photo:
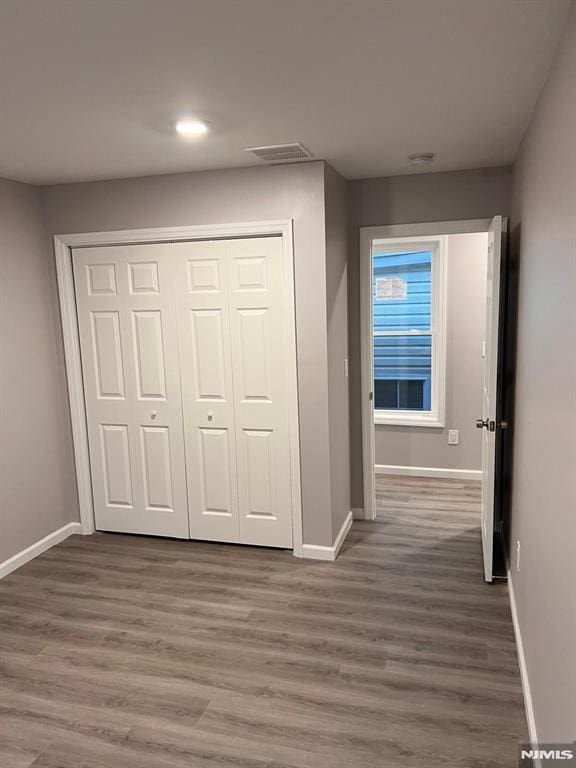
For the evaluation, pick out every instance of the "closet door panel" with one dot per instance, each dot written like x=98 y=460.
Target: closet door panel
x=208 y=350
x=116 y=465
x=216 y=475
x=207 y=389
x=253 y=377
x=148 y=344
x=107 y=355
x=125 y=304
x=257 y=311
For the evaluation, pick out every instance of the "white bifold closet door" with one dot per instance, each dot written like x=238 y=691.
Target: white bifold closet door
x=128 y=339
x=184 y=362
x=231 y=318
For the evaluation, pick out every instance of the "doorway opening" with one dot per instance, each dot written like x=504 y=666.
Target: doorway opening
x=431 y=300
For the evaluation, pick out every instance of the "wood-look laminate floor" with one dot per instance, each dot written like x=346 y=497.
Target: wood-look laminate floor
x=132 y=652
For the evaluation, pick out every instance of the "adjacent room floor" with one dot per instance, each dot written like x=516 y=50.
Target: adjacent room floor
x=132 y=652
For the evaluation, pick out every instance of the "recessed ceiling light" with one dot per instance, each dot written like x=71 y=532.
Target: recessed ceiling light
x=422 y=159
x=190 y=127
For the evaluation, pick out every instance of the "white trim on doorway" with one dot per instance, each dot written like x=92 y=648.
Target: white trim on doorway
x=455 y=474
x=367 y=236
x=63 y=245
x=23 y=557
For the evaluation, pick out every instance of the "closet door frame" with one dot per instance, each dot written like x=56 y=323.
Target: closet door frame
x=63 y=245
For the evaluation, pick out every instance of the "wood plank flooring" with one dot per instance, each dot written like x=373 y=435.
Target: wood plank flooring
x=132 y=652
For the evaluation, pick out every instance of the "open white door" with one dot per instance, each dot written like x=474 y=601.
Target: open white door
x=491 y=419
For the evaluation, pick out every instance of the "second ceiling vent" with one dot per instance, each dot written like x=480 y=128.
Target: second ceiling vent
x=281 y=153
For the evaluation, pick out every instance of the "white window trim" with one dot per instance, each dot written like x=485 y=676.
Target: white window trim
x=435 y=417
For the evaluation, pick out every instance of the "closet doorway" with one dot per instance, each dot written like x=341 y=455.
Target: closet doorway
x=185 y=364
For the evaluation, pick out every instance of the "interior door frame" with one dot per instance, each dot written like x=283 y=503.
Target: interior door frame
x=367 y=236
x=63 y=245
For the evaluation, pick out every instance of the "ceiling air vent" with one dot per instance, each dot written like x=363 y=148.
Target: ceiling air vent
x=281 y=153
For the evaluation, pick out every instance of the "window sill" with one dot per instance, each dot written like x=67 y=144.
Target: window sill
x=408 y=419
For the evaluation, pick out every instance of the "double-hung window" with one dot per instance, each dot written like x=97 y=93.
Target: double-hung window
x=408 y=330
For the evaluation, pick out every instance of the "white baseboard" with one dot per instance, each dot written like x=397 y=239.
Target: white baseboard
x=528 y=704
x=456 y=474
x=358 y=513
x=23 y=557
x=316 y=552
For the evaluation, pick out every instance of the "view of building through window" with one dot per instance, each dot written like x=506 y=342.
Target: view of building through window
x=402 y=327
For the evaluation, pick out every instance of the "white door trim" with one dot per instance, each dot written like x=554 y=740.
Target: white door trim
x=63 y=245
x=367 y=235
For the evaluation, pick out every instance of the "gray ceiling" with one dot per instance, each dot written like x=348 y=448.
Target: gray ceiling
x=88 y=88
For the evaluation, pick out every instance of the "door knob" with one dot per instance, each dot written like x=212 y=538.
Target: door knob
x=210 y=415
x=153 y=414
x=488 y=424
x=491 y=425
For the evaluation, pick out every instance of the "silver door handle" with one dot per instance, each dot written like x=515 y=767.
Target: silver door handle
x=488 y=424
x=153 y=414
x=210 y=415
x=491 y=425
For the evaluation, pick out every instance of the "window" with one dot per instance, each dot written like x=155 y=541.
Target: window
x=408 y=289
x=399 y=394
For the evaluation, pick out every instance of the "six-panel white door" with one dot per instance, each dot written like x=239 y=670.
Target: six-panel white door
x=207 y=389
x=233 y=346
x=184 y=345
x=128 y=339
x=259 y=334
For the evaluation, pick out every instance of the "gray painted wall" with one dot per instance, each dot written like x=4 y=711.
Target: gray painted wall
x=336 y=213
x=544 y=491
x=252 y=194
x=37 y=487
x=409 y=199
x=313 y=196
x=466 y=323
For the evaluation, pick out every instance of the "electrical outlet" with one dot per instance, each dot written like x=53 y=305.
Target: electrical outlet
x=517 y=556
x=453 y=437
